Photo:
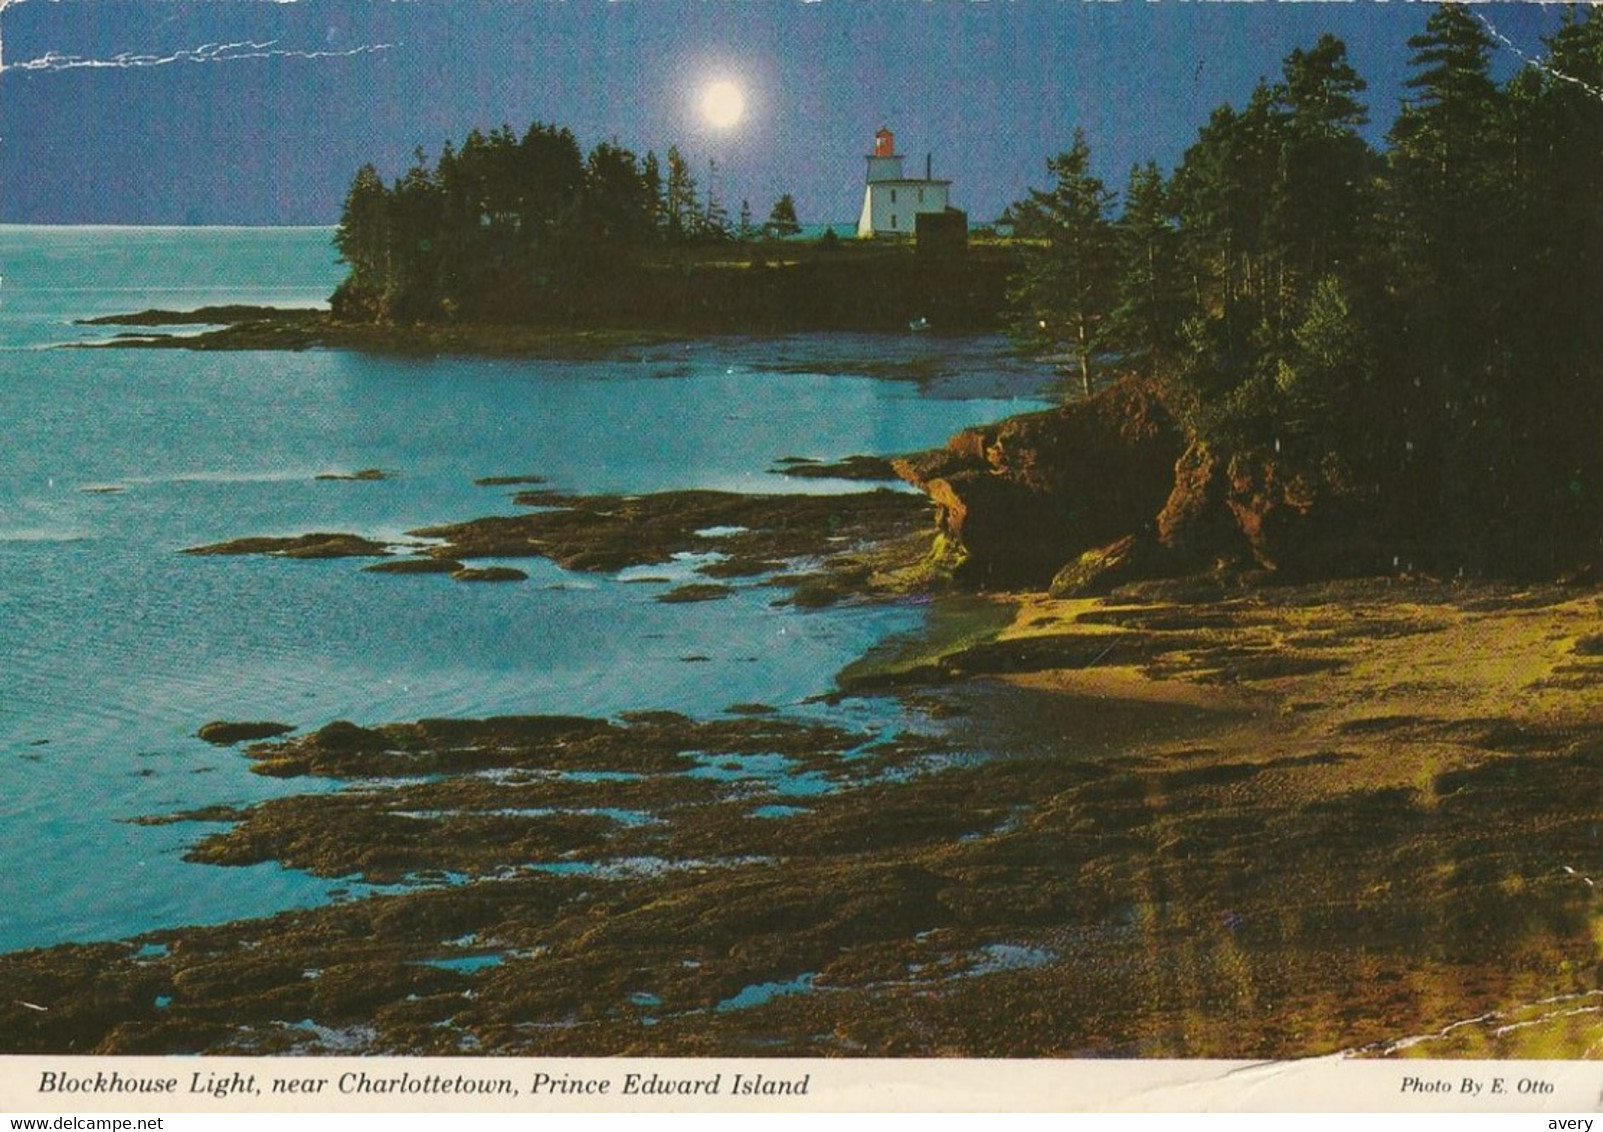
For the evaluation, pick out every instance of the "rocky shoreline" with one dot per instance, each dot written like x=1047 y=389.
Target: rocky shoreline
x=820 y=548
x=1258 y=824
x=277 y=328
x=1147 y=809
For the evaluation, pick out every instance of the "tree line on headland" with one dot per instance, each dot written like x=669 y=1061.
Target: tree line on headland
x=504 y=225
x=1411 y=335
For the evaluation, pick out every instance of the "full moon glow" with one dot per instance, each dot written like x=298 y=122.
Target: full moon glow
x=722 y=104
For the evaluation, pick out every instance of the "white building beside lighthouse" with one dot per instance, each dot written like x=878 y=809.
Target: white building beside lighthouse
x=892 y=202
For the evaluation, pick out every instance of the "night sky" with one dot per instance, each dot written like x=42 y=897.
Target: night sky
x=260 y=111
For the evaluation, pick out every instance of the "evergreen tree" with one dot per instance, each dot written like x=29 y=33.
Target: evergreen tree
x=1220 y=192
x=1452 y=193
x=618 y=202
x=1065 y=290
x=1552 y=334
x=503 y=184
x=782 y=219
x=416 y=213
x=651 y=172
x=1276 y=206
x=1324 y=198
x=551 y=179
x=1323 y=388
x=681 y=208
x=1449 y=150
x=715 y=217
x=363 y=241
x=462 y=241
x=1149 y=292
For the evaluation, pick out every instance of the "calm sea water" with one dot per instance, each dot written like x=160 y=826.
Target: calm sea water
x=114 y=647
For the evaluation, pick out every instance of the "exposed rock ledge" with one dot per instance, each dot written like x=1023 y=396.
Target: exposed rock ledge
x=1110 y=488
x=1016 y=500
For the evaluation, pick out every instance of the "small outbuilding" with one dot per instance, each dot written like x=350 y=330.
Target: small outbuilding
x=942 y=233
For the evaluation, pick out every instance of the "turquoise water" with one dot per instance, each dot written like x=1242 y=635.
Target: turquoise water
x=116 y=647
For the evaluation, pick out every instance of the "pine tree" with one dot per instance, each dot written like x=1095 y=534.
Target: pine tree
x=362 y=236
x=550 y=179
x=416 y=215
x=651 y=173
x=681 y=211
x=1452 y=192
x=714 y=217
x=782 y=219
x=1149 y=293
x=1450 y=147
x=1551 y=330
x=618 y=201
x=1065 y=291
x=1220 y=193
x=1324 y=198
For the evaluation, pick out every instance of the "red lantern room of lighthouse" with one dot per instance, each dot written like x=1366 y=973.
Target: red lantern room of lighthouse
x=884 y=144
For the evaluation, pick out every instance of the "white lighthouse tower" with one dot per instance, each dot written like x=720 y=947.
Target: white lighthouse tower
x=892 y=202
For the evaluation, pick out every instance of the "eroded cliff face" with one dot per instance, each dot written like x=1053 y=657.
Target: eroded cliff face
x=1016 y=500
x=1264 y=511
x=1112 y=487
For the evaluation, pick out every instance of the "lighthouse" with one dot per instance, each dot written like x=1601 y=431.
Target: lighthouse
x=893 y=201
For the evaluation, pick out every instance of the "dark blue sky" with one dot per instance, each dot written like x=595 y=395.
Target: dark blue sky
x=272 y=134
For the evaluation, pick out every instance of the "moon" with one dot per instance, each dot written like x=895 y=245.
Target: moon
x=722 y=104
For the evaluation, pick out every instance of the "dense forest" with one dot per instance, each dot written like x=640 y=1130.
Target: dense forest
x=1409 y=337
x=504 y=225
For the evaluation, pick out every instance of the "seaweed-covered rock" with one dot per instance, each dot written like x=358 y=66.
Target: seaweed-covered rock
x=869 y=543
x=850 y=468
x=225 y=733
x=610 y=532
x=508 y=481
x=695 y=591
x=319 y=544
x=416 y=566
x=366 y=475
x=489 y=574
